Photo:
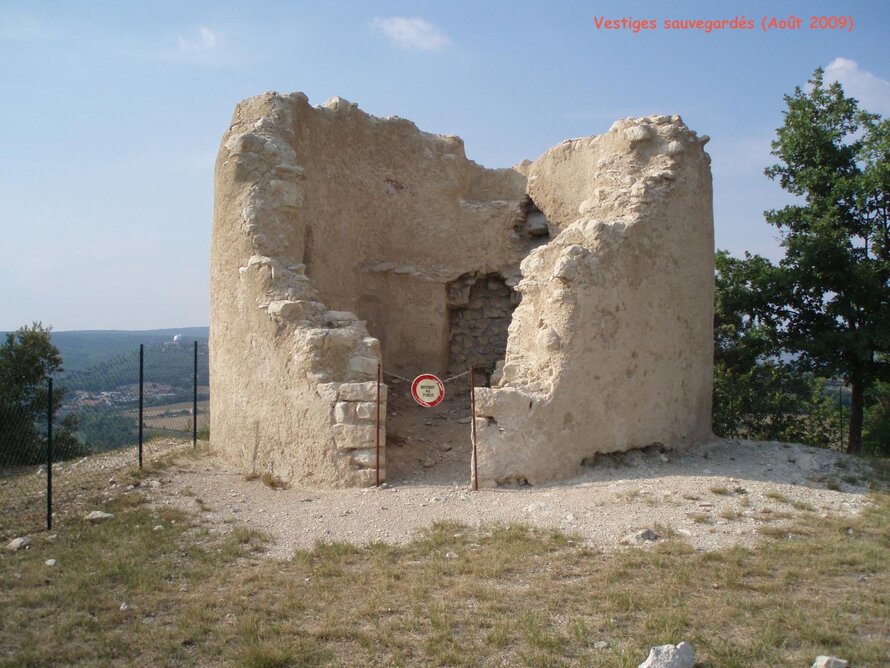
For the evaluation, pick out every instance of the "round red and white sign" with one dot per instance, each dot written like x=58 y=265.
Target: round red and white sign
x=427 y=390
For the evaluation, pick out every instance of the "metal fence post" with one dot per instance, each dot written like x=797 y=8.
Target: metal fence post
x=195 y=402
x=840 y=421
x=141 y=384
x=377 y=433
x=49 y=454
x=473 y=423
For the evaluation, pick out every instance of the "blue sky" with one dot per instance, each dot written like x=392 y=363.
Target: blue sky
x=111 y=115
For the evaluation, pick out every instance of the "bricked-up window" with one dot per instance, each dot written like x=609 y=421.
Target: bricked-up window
x=480 y=308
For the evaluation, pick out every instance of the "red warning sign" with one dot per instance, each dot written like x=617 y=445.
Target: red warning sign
x=427 y=390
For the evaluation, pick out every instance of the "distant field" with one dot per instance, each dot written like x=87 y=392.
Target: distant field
x=171 y=417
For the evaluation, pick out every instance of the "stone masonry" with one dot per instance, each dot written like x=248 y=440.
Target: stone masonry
x=343 y=241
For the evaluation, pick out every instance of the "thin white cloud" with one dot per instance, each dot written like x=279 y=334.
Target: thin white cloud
x=414 y=34
x=202 y=46
x=872 y=92
x=204 y=41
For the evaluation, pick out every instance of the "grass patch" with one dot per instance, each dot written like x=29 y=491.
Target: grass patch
x=456 y=596
x=274 y=482
x=770 y=515
x=830 y=482
x=665 y=531
x=720 y=490
x=777 y=496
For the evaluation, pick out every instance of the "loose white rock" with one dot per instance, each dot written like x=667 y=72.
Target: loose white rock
x=98 y=516
x=17 y=544
x=823 y=661
x=670 y=656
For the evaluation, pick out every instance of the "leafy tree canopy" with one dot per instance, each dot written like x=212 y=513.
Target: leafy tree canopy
x=828 y=298
x=28 y=359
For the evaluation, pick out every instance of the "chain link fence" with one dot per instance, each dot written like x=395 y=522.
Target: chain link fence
x=23 y=448
x=126 y=405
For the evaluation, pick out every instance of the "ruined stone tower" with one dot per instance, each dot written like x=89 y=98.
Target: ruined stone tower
x=583 y=281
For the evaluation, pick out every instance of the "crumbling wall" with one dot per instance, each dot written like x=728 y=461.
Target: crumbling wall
x=335 y=237
x=611 y=346
x=342 y=241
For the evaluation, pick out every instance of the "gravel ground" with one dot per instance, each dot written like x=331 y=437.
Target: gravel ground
x=714 y=495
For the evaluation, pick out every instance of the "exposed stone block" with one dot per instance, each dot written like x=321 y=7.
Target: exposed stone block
x=327 y=391
x=363 y=477
x=367 y=458
x=637 y=133
x=339 y=317
x=289 y=310
x=357 y=437
x=360 y=366
x=361 y=391
x=344 y=412
x=367 y=410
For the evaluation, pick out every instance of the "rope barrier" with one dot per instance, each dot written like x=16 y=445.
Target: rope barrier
x=411 y=380
x=397 y=377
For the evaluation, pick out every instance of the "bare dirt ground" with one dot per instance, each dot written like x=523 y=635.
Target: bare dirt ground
x=713 y=495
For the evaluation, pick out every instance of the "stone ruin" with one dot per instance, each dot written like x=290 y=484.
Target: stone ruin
x=581 y=284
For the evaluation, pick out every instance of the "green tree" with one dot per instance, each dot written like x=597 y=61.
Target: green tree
x=757 y=394
x=27 y=359
x=876 y=433
x=832 y=288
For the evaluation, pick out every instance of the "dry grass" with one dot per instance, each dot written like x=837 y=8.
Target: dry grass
x=505 y=595
x=81 y=483
x=274 y=482
x=730 y=514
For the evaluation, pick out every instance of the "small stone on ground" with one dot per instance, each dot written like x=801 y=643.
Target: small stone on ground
x=823 y=661
x=670 y=656
x=640 y=537
x=17 y=544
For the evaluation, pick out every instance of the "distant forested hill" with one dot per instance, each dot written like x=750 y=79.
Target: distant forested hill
x=87 y=348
